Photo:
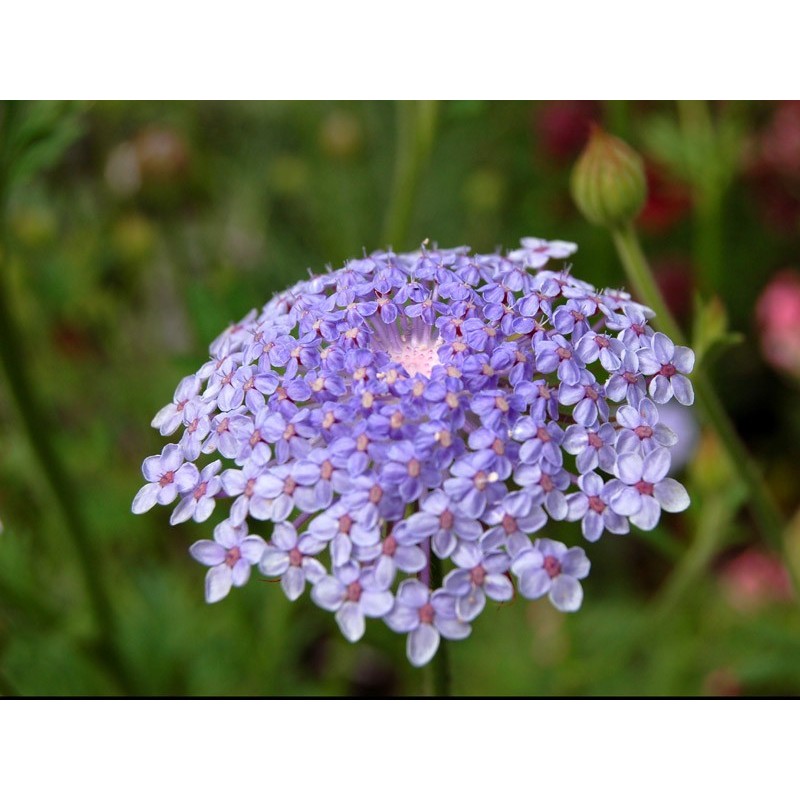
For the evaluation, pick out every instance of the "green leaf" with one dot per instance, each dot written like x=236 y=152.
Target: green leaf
x=36 y=137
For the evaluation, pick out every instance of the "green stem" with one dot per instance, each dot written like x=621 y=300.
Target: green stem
x=439 y=668
x=416 y=129
x=764 y=508
x=38 y=428
x=712 y=525
x=708 y=191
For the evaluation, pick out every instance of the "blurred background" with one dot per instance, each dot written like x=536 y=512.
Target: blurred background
x=133 y=233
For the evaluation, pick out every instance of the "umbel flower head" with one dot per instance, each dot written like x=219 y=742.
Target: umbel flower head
x=437 y=405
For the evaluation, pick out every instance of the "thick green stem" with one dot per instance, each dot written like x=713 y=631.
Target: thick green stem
x=439 y=668
x=643 y=283
x=416 y=129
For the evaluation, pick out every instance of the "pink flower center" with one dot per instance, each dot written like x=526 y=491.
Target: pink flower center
x=234 y=554
x=417 y=359
x=478 y=574
x=509 y=524
x=345 y=523
x=645 y=488
x=166 y=478
x=596 y=504
x=668 y=370
x=446 y=519
x=295 y=557
x=552 y=566
x=375 y=494
x=390 y=545
x=354 y=591
x=426 y=614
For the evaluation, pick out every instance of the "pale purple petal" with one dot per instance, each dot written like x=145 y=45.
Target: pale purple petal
x=218 y=583
x=208 y=553
x=328 y=593
x=684 y=391
x=533 y=583
x=671 y=495
x=656 y=465
x=566 y=593
x=422 y=645
x=648 y=515
x=376 y=604
x=351 y=621
x=240 y=572
x=145 y=498
x=293 y=582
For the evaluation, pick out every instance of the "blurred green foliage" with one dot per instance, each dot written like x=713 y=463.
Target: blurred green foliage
x=133 y=233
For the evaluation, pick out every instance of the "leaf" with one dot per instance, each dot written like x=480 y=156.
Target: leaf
x=37 y=136
x=711 y=336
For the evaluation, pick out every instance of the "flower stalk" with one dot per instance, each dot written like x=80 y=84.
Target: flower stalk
x=643 y=283
x=35 y=423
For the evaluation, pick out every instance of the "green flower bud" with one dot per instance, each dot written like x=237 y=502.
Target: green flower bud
x=608 y=183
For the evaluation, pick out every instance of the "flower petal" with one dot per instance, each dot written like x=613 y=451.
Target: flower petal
x=218 y=583
x=566 y=593
x=671 y=495
x=422 y=645
x=351 y=621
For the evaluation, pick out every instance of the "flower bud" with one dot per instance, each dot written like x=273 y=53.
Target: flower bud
x=608 y=183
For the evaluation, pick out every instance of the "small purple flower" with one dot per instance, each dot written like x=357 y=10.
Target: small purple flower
x=628 y=382
x=197 y=501
x=442 y=521
x=479 y=575
x=476 y=483
x=230 y=557
x=669 y=365
x=415 y=407
x=593 y=448
x=641 y=429
x=168 y=477
x=644 y=490
x=171 y=416
x=353 y=595
x=592 y=506
x=425 y=617
x=289 y=557
x=550 y=568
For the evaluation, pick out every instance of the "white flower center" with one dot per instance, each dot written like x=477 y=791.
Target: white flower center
x=417 y=359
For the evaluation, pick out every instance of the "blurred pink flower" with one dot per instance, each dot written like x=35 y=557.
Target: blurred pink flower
x=668 y=201
x=778 y=313
x=722 y=682
x=562 y=127
x=754 y=579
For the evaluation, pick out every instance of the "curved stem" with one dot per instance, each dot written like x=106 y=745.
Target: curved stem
x=764 y=508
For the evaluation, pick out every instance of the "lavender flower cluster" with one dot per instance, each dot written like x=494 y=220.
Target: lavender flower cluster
x=418 y=414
